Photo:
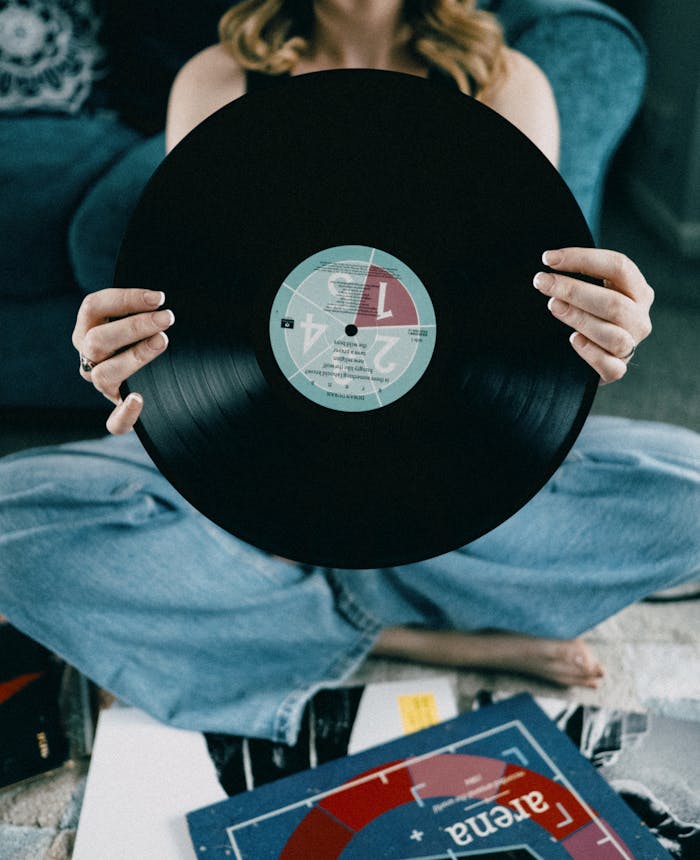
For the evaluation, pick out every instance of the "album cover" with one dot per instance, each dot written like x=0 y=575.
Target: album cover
x=33 y=738
x=502 y=782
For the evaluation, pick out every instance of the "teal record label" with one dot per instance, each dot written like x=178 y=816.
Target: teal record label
x=352 y=328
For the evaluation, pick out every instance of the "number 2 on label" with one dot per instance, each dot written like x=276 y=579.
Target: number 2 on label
x=388 y=342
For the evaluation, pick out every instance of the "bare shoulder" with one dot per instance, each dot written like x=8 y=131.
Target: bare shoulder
x=524 y=96
x=207 y=82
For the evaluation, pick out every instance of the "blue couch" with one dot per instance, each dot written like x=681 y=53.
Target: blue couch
x=70 y=176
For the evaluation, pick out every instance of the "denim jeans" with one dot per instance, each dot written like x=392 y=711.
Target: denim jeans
x=103 y=562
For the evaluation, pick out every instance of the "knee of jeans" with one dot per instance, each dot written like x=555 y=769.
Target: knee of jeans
x=658 y=441
x=134 y=503
x=149 y=509
x=36 y=496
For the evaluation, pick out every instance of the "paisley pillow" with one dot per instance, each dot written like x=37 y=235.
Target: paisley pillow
x=49 y=54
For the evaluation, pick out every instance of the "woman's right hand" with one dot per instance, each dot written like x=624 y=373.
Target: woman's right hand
x=117 y=332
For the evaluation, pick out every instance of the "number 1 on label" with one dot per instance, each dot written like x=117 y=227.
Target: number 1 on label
x=381 y=313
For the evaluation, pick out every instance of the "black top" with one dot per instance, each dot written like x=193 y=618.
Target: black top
x=260 y=80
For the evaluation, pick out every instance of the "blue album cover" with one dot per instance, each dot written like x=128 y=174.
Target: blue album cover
x=501 y=783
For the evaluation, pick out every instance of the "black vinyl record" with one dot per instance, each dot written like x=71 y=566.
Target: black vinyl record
x=361 y=373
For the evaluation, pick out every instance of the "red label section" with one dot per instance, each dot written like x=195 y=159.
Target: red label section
x=385 y=301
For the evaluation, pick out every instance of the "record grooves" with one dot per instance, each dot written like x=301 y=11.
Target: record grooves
x=361 y=373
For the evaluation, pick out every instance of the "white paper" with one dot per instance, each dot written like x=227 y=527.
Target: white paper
x=143 y=778
x=378 y=717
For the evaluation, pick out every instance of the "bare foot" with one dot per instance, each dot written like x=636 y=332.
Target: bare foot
x=568 y=662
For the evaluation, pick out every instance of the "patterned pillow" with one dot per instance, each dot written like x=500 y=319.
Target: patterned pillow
x=49 y=54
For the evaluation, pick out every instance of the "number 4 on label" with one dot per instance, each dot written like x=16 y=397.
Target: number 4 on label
x=312 y=331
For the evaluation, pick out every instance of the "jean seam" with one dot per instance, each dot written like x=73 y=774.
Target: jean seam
x=348 y=605
x=288 y=715
x=287 y=718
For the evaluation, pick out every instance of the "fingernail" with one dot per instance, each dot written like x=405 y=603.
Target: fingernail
x=153 y=298
x=552 y=258
x=133 y=398
x=158 y=341
x=543 y=280
x=163 y=318
x=557 y=306
x=575 y=339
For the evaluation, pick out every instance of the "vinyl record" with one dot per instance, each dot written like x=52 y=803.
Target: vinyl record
x=361 y=373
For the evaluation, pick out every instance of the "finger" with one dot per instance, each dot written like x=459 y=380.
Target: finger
x=612 y=338
x=104 y=340
x=611 y=266
x=123 y=418
x=608 y=367
x=103 y=305
x=107 y=376
x=605 y=304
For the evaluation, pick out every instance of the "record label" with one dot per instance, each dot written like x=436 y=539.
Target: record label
x=352 y=328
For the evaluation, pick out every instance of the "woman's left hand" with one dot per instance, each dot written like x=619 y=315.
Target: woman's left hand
x=609 y=322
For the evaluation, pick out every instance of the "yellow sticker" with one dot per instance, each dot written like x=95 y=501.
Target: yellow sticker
x=418 y=711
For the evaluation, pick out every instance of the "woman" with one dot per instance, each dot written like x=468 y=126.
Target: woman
x=106 y=564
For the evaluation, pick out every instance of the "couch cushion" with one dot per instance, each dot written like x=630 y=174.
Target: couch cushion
x=46 y=165
x=596 y=63
x=99 y=222
x=597 y=74
x=518 y=15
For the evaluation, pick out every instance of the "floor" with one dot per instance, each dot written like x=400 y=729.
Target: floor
x=651 y=651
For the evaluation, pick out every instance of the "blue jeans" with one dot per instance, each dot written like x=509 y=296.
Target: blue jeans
x=103 y=562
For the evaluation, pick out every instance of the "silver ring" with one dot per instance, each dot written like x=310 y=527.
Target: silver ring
x=630 y=354
x=85 y=364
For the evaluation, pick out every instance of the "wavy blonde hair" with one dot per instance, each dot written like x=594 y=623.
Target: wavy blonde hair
x=453 y=35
